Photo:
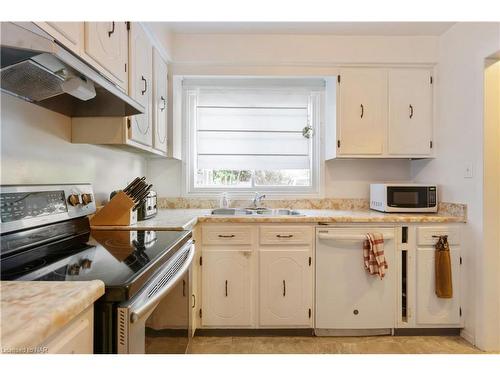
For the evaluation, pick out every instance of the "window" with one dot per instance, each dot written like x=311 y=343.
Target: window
x=250 y=135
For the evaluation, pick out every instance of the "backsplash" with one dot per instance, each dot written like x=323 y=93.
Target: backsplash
x=452 y=209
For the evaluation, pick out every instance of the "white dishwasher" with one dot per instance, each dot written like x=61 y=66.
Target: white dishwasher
x=350 y=301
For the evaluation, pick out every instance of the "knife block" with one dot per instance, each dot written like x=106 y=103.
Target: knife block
x=118 y=211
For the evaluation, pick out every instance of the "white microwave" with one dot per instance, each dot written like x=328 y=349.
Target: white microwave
x=403 y=197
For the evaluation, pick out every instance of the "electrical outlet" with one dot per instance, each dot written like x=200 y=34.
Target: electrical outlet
x=469 y=170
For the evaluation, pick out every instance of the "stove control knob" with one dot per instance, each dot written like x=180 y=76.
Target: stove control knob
x=86 y=199
x=74 y=199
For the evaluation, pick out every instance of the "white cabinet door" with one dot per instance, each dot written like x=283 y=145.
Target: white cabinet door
x=70 y=34
x=106 y=44
x=362 y=111
x=159 y=102
x=410 y=112
x=430 y=308
x=227 y=288
x=141 y=74
x=286 y=288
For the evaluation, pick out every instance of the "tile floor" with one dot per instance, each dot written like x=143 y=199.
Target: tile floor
x=330 y=345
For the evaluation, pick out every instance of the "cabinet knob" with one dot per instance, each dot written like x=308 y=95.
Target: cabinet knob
x=362 y=110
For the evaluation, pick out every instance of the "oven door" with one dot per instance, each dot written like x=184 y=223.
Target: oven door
x=411 y=198
x=157 y=319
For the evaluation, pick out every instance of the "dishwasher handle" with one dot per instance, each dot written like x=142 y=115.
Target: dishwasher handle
x=348 y=237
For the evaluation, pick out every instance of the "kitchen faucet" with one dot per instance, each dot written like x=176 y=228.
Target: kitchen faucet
x=257 y=199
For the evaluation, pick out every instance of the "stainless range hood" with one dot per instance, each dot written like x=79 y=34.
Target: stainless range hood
x=34 y=67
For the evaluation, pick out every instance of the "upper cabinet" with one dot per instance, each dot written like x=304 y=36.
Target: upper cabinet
x=70 y=34
x=361 y=111
x=106 y=46
x=410 y=112
x=380 y=113
x=160 y=85
x=141 y=84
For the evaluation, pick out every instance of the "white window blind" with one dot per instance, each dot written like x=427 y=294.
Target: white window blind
x=253 y=126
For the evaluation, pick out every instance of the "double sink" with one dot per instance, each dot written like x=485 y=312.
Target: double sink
x=260 y=211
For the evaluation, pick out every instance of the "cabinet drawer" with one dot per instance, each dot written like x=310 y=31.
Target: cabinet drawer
x=286 y=234
x=425 y=235
x=226 y=235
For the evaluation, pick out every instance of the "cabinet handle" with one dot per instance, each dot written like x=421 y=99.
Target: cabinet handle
x=284 y=235
x=362 y=110
x=184 y=288
x=411 y=111
x=226 y=235
x=284 y=288
x=164 y=104
x=145 y=85
x=112 y=29
x=194 y=301
x=226 y=288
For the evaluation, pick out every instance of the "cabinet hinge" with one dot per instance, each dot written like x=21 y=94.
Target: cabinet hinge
x=460 y=260
x=432 y=80
x=338 y=79
x=128 y=25
x=200 y=313
x=125 y=67
x=310 y=261
x=338 y=143
x=430 y=144
x=310 y=313
x=201 y=261
x=460 y=311
x=129 y=123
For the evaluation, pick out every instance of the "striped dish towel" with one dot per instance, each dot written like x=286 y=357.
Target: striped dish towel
x=373 y=254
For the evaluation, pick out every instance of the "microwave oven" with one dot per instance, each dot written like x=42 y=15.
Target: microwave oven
x=403 y=197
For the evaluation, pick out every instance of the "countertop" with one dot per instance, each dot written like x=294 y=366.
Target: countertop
x=31 y=311
x=185 y=219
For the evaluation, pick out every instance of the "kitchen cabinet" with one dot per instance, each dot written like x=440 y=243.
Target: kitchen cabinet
x=410 y=112
x=106 y=47
x=76 y=337
x=227 y=281
x=380 y=113
x=69 y=34
x=361 y=114
x=419 y=307
x=286 y=278
x=160 y=101
x=141 y=83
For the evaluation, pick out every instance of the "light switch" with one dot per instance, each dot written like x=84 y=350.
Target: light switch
x=469 y=170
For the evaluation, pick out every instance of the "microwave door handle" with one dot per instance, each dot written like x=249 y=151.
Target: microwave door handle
x=137 y=312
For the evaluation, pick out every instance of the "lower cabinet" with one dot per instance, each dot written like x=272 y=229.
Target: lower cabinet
x=420 y=307
x=227 y=297
x=257 y=276
x=286 y=288
x=76 y=337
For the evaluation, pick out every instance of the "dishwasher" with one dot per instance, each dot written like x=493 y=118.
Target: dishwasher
x=350 y=301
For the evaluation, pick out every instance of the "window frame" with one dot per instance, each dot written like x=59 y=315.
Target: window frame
x=316 y=115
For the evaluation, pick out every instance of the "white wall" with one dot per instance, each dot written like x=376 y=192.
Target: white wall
x=36 y=149
x=459 y=141
x=318 y=55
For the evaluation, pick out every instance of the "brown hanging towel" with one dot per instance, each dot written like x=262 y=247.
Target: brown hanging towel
x=444 y=287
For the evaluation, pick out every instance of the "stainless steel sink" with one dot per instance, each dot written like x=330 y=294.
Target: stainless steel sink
x=262 y=211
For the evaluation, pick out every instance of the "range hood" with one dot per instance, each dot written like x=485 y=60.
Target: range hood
x=34 y=67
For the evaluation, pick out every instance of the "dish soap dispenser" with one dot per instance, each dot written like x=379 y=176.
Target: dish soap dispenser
x=224 y=201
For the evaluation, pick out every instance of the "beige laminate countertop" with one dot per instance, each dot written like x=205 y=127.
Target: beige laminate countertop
x=31 y=311
x=185 y=219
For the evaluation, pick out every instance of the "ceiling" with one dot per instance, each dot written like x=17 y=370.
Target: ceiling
x=329 y=28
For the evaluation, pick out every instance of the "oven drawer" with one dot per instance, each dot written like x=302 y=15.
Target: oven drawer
x=286 y=235
x=226 y=235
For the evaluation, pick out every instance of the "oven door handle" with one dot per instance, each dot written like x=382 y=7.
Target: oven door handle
x=137 y=312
